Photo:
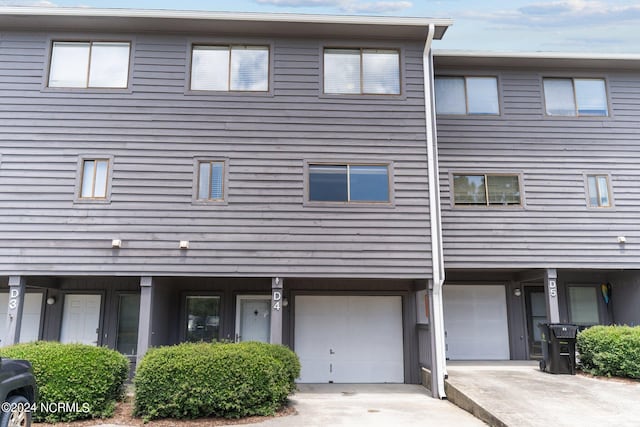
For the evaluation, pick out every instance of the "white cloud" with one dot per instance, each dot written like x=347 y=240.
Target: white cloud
x=567 y=13
x=354 y=6
x=40 y=3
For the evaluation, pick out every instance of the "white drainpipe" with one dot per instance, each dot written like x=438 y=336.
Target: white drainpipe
x=438 y=360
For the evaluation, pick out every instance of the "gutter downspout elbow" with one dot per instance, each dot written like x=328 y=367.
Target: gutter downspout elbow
x=438 y=359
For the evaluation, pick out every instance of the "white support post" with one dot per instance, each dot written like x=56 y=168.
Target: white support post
x=146 y=316
x=17 y=287
x=277 y=299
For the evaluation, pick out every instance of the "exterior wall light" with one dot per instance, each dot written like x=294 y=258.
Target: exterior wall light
x=116 y=243
x=51 y=301
x=517 y=292
x=622 y=239
x=184 y=244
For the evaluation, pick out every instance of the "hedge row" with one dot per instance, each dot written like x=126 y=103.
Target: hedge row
x=193 y=380
x=610 y=351
x=74 y=374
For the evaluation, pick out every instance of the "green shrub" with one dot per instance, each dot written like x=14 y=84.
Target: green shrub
x=284 y=354
x=610 y=351
x=192 y=380
x=74 y=373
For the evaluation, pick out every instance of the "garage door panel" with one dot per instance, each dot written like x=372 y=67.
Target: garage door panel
x=349 y=338
x=476 y=322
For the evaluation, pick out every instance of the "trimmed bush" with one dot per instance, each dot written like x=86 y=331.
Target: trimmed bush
x=610 y=351
x=193 y=380
x=288 y=358
x=73 y=374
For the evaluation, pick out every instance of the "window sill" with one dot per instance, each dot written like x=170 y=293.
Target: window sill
x=80 y=90
x=349 y=205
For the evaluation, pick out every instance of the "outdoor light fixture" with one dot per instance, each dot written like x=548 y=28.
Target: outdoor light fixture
x=517 y=292
x=622 y=239
x=184 y=244
x=116 y=243
x=277 y=281
x=51 y=301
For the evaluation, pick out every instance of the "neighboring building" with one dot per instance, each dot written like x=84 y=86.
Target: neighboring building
x=167 y=176
x=539 y=170
x=176 y=176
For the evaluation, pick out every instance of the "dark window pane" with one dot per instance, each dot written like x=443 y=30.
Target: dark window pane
x=203 y=318
x=328 y=183
x=369 y=183
x=128 y=314
x=469 y=190
x=503 y=190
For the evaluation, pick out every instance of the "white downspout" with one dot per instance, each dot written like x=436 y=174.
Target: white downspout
x=438 y=360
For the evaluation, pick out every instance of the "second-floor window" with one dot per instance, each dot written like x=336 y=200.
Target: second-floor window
x=211 y=177
x=89 y=65
x=230 y=68
x=94 y=179
x=467 y=95
x=349 y=183
x=599 y=191
x=362 y=71
x=486 y=190
x=575 y=97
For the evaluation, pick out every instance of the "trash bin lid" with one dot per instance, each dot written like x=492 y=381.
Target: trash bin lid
x=563 y=330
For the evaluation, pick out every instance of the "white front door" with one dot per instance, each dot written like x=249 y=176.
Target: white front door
x=30 y=328
x=253 y=318
x=80 y=319
x=475 y=322
x=349 y=339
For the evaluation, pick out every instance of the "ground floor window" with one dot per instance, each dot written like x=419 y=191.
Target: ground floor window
x=583 y=305
x=203 y=318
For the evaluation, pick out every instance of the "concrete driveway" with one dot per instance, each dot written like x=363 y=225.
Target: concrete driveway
x=371 y=405
x=518 y=394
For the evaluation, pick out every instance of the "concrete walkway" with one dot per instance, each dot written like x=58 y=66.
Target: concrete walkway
x=518 y=394
x=370 y=405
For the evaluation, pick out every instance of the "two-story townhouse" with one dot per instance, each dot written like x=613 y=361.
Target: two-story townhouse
x=539 y=172
x=185 y=176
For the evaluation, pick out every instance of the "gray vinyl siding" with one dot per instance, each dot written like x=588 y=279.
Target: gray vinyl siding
x=154 y=131
x=554 y=228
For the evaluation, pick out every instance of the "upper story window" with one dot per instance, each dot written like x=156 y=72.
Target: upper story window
x=349 y=183
x=362 y=71
x=230 y=68
x=467 y=95
x=89 y=65
x=94 y=179
x=211 y=179
x=599 y=190
x=575 y=97
x=486 y=190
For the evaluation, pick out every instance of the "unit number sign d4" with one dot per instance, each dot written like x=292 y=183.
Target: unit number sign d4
x=276 y=300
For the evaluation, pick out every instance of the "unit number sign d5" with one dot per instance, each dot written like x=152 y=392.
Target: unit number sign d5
x=276 y=300
x=553 y=290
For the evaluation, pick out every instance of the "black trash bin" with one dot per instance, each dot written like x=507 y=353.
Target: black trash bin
x=558 y=348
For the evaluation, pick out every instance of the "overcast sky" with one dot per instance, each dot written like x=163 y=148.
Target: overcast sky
x=602 y=26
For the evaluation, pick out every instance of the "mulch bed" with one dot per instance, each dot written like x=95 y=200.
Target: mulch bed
x=123 y=416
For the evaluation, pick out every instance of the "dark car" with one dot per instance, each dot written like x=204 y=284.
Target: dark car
x=17 y=392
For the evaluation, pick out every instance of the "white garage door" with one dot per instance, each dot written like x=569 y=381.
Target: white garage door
x=475 y=321
x=349 y=339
